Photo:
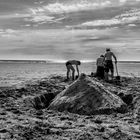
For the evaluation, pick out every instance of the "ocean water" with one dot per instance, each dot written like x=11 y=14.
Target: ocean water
x=18 y=73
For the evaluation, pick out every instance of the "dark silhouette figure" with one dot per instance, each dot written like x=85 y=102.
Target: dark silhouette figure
x=100 y=67
x=109 y=63
x=69 y=66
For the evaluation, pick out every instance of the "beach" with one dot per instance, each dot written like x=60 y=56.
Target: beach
x=21 y=120
x=37 y=38
x=19 y=72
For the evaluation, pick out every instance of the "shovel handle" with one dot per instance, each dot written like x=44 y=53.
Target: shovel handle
x=116 y=69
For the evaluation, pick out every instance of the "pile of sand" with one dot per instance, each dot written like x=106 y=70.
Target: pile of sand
x=87 y=96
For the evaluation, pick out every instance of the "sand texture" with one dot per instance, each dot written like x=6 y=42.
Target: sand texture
x=33 y=110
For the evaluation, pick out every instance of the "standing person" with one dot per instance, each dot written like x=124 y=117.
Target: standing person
x=69 y=66
x=109 y=64
x=100 y=67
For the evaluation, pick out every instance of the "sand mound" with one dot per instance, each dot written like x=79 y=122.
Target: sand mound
x=87 y=96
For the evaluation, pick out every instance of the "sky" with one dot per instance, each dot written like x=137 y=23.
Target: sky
x=59 y=30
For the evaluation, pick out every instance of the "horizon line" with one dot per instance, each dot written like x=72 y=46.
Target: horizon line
x=57 y=61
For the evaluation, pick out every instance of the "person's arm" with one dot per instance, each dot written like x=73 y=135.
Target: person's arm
x=97 y=62
x=77 y=70
x=104 y=57
x=114 y=57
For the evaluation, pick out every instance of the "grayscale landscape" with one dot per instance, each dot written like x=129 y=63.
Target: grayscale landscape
x=38 y=101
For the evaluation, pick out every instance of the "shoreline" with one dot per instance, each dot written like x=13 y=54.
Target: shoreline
x=12 y=74
x=60 y=62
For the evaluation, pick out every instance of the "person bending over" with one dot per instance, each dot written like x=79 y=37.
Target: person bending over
x=108 y=63
x=69 y=66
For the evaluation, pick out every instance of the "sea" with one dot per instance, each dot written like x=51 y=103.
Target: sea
x=16 y=73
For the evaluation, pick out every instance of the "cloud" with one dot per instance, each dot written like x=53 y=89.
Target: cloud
x=132 y=25
x=49 y=12
x=62 y=44
x=129 y=17
x=58 y=8
x=129 y=1
x=8 y=32
x=40 y=18
x=123 y=1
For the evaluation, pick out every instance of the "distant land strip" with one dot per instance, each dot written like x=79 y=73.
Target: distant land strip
x=49 y=61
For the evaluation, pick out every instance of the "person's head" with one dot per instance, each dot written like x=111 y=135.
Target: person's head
x=107 y=49
x=79 y=63
x=101 y=55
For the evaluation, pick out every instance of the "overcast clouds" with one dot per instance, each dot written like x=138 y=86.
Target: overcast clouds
x=60 y=30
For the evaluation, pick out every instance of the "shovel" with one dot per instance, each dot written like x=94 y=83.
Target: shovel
x=117 y=77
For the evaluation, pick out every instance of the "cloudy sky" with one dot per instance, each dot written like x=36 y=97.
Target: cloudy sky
x=59 y=30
